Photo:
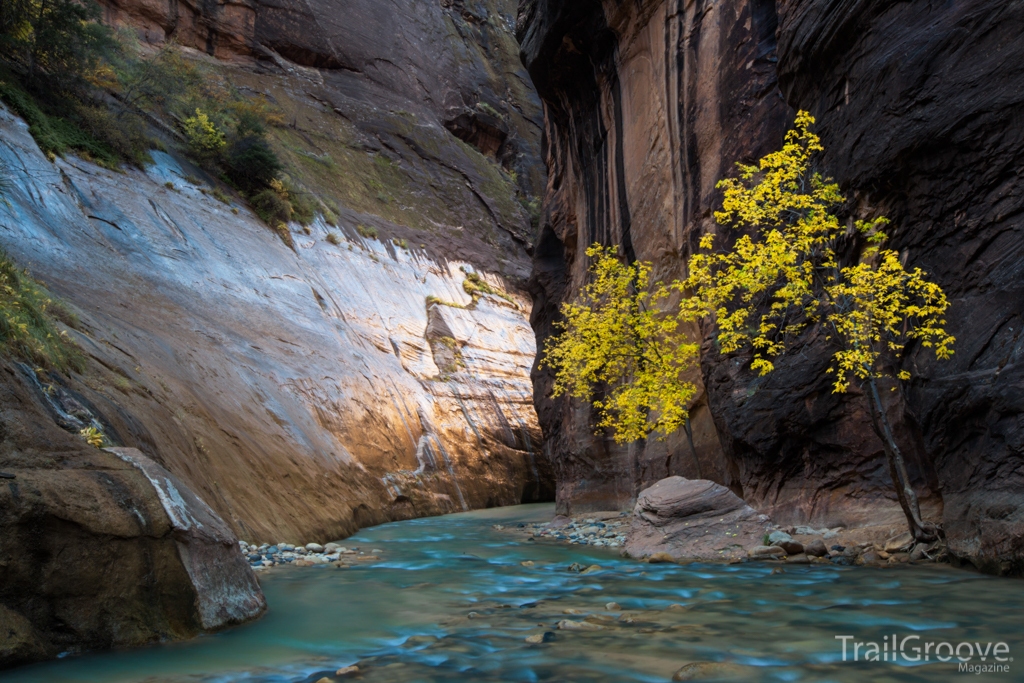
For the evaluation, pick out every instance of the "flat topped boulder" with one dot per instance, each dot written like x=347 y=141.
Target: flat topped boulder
x=693 y=519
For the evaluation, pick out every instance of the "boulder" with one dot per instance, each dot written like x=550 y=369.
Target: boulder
x=816 y=548
x=103 y=549
x=693 y=519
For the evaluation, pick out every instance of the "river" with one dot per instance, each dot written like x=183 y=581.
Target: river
x=450 y=600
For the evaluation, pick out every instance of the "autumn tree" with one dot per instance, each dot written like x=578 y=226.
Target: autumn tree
x=620 y=350
x=779 y=278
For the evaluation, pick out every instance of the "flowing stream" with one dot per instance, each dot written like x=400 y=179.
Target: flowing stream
x=408 y=618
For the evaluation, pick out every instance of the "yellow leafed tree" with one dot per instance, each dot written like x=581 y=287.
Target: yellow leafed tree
x=619 y=351
x=781 y=276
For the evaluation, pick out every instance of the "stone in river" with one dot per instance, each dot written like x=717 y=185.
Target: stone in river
x=591 y=569
x=695 y=671
x=800 y=558
x=527 y=563
x=535 y=639
x=660 y=557
x=612 y=607
x=347 y=671
x=570 y=625
x=314 y=547
x=766 y=551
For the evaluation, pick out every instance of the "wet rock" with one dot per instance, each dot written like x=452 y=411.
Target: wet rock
x=778 y=538
x=612 y=606
x=527 y=563
x=570 y=625
x=591 y=569
x=314 y=547
x=661 y=558
x=816 y=548
x=575 y=567
x=347 y=671
x=696 y=671
x=535 y=639
x=692 y=519
x=800 y=558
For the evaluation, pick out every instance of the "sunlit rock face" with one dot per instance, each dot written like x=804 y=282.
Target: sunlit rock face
x=295 y=391
x=648 y=104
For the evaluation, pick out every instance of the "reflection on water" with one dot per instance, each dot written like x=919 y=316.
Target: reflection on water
x=451 y=601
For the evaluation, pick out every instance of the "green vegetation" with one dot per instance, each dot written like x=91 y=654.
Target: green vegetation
x=474 y=285
x=28 y=317
x=431 y=300
x=781 y=277
x=333 y=238
x=368 y=232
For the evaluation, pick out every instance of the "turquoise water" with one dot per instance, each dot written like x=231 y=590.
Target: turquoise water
x=407 y=617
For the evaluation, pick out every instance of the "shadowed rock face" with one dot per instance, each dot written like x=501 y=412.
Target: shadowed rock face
x=920 y=112
x=99 y=550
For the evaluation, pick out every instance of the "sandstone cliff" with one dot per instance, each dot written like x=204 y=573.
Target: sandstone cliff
x=299 y=391
x=649 y=104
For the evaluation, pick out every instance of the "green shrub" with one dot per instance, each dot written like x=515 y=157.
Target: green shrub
x=55 y=135
x=369 y=232
x=27 y=315
x=271 y=207
x=252 y=164
x=333 y=238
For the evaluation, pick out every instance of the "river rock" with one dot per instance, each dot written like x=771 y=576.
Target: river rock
x=816 y=548
x=696 y=671
x=766 y=551
x=535 y=639
x=693 y=519
x=314 y=547
x=347 y=671
x=570 y=625
x=779 y=538
x=612 y=606
x=791 y=547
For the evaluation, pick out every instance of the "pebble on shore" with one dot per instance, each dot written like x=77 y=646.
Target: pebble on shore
x=607 y=533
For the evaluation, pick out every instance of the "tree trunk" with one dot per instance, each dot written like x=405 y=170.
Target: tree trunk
x=693 y=451
x=922 y=531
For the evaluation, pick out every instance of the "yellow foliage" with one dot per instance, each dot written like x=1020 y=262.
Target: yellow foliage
x=784 y=267
x=93 y=437
x=203 y=136
x=620 y=352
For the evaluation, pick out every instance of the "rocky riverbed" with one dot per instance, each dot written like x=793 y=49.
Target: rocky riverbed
x=694 y=520
x=265 y=556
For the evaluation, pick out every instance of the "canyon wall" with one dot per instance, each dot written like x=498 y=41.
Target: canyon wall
x=348 y=379
x=648 y=104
